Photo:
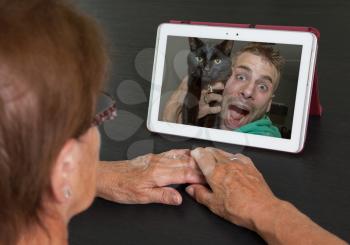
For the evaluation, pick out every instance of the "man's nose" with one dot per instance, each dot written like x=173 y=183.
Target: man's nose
x=247 y=90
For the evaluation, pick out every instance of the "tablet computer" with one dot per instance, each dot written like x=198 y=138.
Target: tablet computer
x=242 y=86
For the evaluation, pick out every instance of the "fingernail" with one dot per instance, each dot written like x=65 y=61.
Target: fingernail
x=176 y=199
x=189 y=190
x=196 y=153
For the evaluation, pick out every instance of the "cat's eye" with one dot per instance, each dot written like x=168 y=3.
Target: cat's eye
x=199 y=59
x=217 y=61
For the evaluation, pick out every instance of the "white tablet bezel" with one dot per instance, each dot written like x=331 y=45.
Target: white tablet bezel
x=303 y=94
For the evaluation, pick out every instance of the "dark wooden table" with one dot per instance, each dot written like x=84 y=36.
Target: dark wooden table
x=317 y=181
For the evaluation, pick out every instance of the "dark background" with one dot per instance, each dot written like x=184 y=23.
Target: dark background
x=316 y=181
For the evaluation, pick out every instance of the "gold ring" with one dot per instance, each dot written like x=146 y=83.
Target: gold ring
x=236 y=159
x=233 y=158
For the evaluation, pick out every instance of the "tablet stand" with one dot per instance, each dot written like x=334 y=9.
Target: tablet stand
x=315 y=106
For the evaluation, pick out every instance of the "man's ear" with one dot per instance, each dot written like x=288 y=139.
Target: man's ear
x=269 y=105
x=64 y=171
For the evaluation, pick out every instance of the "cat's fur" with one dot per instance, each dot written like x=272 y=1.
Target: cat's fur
x=203 y=70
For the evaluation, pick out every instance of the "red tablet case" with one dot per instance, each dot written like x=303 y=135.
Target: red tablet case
x=315 y=106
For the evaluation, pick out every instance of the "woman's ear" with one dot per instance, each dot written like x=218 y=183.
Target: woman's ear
x=64 y=171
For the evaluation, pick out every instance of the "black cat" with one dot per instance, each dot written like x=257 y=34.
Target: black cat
x=206 y=64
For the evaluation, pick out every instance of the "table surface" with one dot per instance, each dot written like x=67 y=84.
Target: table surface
x=317 y=181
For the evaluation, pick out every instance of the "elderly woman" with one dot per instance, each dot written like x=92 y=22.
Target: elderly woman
x=52 y=64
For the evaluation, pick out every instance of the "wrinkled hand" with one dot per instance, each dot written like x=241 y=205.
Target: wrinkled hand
x=238 y=192
x=145 y=178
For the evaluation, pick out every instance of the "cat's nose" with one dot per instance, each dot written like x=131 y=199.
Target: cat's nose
x=205 y=73
x=206 y=68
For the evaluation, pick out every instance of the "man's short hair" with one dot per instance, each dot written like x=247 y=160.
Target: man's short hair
x=266 y=51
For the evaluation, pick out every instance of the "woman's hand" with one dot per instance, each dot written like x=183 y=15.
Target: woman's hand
x=145 y=178
x=238 y=192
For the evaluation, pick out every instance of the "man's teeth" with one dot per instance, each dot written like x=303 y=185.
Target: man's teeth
x=239 y=109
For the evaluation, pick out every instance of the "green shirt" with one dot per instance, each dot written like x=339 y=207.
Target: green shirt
x=262 y=126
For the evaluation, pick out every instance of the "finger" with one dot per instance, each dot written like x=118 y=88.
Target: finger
x=179 y=175
x=244 y=159
x=176 y=153
x=200 y=193
x=214 y=109
x=206 y=109
x=213 y=97
x=179 y=170
x=165 y=195
x=205 y=160
x=220 y=155
x=175 y=159
x=221 y=152
x=218 y=86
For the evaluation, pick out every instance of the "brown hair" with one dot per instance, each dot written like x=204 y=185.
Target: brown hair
x=52 y=64
x=269 y=53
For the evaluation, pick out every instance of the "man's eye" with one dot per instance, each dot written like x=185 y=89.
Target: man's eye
x=199 y=59
x=241 y=77
x=263 y=87
x=217 y=61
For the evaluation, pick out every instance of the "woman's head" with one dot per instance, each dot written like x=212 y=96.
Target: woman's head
x=52 y=64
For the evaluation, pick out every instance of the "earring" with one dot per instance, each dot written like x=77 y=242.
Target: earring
x=67 y=192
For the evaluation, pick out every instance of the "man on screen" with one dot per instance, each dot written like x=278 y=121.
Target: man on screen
x=247 y=96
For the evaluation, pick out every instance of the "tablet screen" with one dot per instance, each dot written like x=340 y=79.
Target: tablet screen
x=247 y=87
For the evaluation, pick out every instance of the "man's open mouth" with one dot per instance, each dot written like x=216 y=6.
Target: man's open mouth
x=236 y=115
x=238 y=111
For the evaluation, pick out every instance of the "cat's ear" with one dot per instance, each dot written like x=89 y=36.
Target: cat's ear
x=195 y=43
x=226 y=47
